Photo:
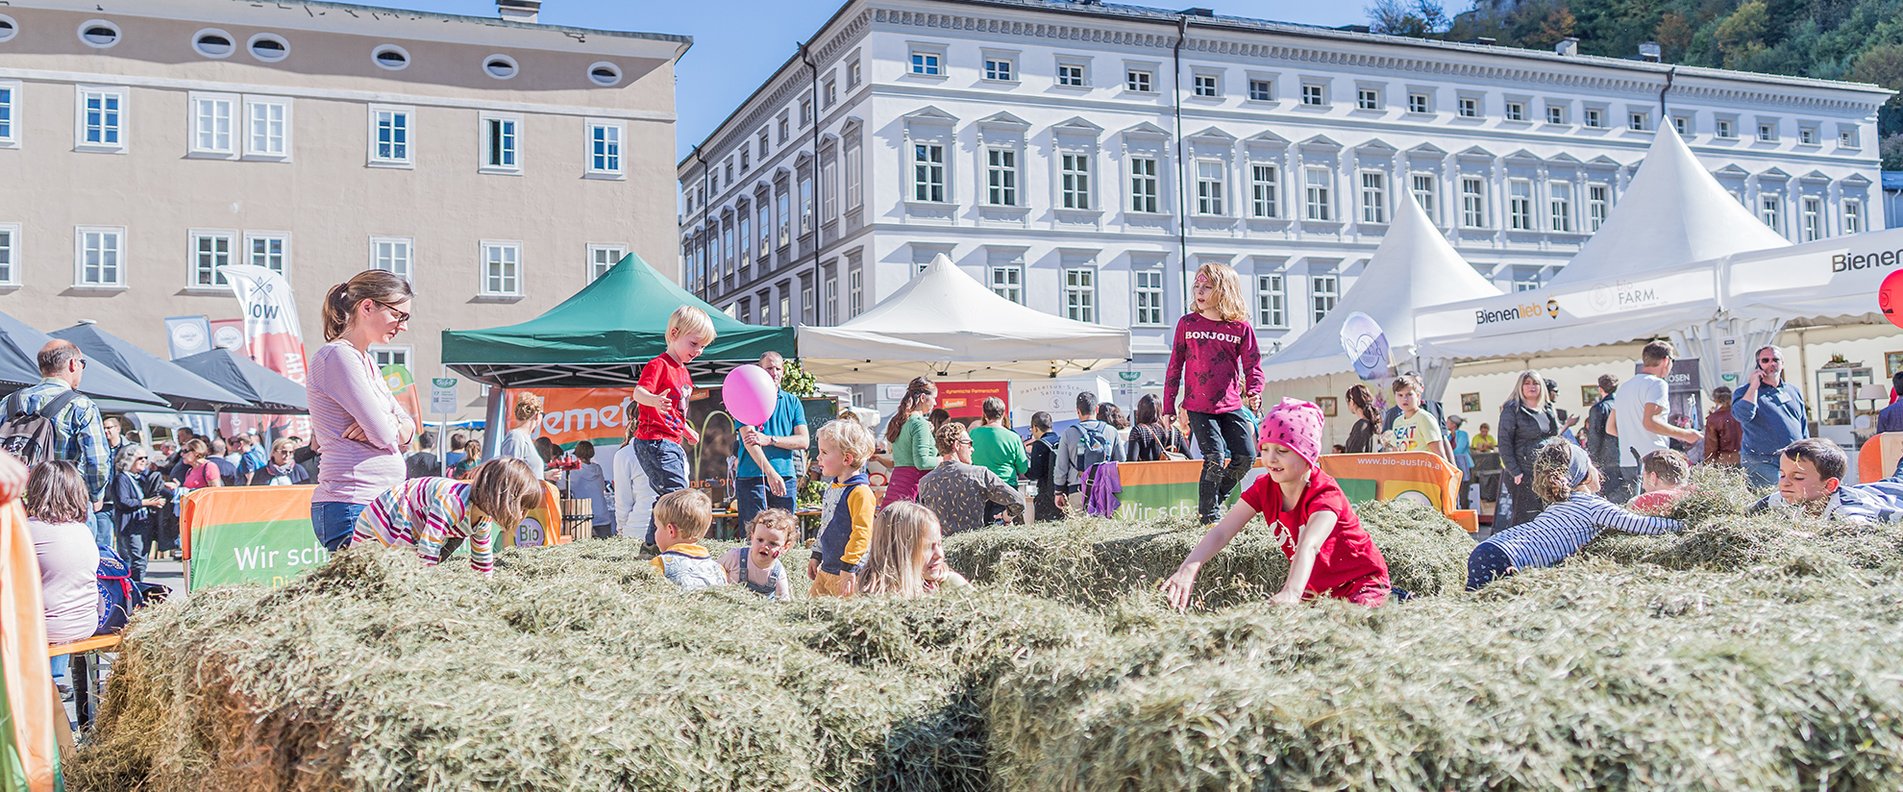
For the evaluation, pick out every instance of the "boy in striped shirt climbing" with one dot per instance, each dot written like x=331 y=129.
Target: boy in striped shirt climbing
x=1563 y=477
x=435 y=514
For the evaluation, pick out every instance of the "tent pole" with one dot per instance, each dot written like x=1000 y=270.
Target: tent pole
x=492 y=431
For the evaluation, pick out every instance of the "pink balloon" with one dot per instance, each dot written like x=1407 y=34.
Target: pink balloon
x=749 y=394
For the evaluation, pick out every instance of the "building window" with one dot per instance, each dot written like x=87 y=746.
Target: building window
x=212 y=119
x=928 y=64
x=268 y=48
x=784 y=126
x=211 y=254
x=1555 y=114
x=9 y=245
x=99 y=34
x=765 y=222
x=1424 y=187
x=604 y=148
x=765 y=146
x=1813 y=218
x=1208 y=86
x=1473 y=202
x=602 y=258
x=1001 y=69
x=1681 y=125
x=743 y=236
x=806 y=206
x=852 y=75
x=1520 y=205
x=101 y=119
x=1315 y=187
x=1724 y=129
x=1767 y=131
x=1807 y=135
x=392 y=255
x=807 y=304
x=783 y=208
x=98 y=256
x=1560 y=202
x=1264 y=186
x=269 y=122
x=852 y=178
x=1846 y=137
x=1149 y=297
x=502 y=269
x=1598 y=202
x=381 y=355
x=829 y=93
x=1638 y=121
x=1367 y=99
x=1001 y=177
x=389 y=136
x=1209 y=183
x=1314 y=94
x=1074 y=173
x=1007 y=281
x=500 y=144
x=1469 y=107
x=1525 y=279
x=1271 y=301
x=830 y=288
x=1853 y=216
x=1070 y=75
x=1323 y=291
x=1374 y=197
x=727 y=245
x=1262 y=90
x=828 y=191
x=1417 y=103
x=1516 y=111
x=9 y=102
x=855 y=291
x=270 y=251
x=391 y=57
x=1595 y=118
x=1140 y=80
x=928 y=172
x=1080 y=294
x=1771 y=211
x=1143 y=185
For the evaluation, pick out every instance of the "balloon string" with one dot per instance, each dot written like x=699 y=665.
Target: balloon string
x=702 y=450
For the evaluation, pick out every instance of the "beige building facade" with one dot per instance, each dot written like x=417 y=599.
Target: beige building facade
x=499 y=163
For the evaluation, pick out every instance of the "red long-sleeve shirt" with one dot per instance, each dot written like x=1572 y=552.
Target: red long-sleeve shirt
x=1207 y=359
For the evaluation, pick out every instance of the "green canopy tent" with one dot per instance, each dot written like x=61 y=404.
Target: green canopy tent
x=600 y=338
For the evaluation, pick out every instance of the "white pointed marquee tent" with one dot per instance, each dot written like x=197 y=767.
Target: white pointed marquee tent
x=1413 y=268
x=1650 y=270
x=946 y=324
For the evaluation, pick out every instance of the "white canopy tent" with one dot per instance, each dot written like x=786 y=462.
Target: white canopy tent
x=944 y=323
x=1650 y=270
x=1413 y=268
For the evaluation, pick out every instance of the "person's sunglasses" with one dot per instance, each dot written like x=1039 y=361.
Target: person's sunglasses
x=399 y=316
x=1770 y=360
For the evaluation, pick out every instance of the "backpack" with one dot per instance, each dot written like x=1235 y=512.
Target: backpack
x=30 y=436
x=119 y=594
x=1092 y=446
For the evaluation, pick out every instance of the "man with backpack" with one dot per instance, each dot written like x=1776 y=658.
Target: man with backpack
x=1084 y=446
x=51 y=420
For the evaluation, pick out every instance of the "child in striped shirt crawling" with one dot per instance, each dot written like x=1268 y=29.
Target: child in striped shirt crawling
x=1563 y=477
x=435 y=514
x=681 y=519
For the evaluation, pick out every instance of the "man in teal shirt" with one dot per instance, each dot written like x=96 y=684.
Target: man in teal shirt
x=764 y=479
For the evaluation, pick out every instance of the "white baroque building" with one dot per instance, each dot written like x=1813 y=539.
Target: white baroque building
x=1084 y=159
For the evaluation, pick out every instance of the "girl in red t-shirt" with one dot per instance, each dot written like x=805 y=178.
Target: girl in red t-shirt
x=1329 y=554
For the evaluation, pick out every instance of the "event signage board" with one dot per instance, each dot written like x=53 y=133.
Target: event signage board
x=966 y=399
x=442 y=395
x=1055 y=396
x=571 y=415
x=263 y=535
x=187 y=335
x=1153 y=490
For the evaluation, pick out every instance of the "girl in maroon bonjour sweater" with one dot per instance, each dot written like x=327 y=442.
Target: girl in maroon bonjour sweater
x=1215 y=368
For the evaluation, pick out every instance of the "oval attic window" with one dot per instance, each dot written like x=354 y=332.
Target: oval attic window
x=269 y=48
x=392 y=57
x=99 y=33
x=501 y=67
x=213 y=44
x=604 y=74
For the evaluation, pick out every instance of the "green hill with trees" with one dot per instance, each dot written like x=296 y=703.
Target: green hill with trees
x=1856 y=40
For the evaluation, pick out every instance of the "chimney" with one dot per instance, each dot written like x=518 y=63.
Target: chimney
x=519 y=10
x=1567 y=47
x=1649 y=52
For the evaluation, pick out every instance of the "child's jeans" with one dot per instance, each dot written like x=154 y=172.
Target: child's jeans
x=1219 y=436
x=1486 y=564
x=665 y=463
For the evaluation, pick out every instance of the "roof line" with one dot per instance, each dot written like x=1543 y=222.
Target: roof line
x=764 y=84
x=495 y=21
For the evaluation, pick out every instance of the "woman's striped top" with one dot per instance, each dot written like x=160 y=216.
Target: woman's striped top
x=426 y=512
x=1567 y=526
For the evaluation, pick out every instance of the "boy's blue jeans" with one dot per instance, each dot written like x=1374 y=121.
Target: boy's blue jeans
x=665 y=463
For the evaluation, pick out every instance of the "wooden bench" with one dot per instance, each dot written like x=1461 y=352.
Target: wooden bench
x=84 y=673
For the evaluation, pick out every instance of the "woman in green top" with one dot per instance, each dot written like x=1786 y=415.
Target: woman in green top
x=998 y=449
x=914 y=452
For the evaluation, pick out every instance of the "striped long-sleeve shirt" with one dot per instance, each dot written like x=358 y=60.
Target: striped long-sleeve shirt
x=1567 y=526
x=79 y=435
x=426 y=512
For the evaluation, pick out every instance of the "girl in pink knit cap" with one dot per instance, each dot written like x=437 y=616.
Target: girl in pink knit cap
x=1329 y=554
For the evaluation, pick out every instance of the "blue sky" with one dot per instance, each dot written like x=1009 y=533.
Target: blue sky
x=738 y=43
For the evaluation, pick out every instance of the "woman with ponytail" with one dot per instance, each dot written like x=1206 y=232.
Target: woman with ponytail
x=914 y=452
x=357 y=426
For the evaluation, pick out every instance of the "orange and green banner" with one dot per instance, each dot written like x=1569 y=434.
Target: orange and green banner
x=571 y=415
x=29 y=747
x=263 y=535
x=403 y=389
x=1158 y=489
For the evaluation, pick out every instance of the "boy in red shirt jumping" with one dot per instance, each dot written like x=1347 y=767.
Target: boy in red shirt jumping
x=1329 y=553
x=661 y=395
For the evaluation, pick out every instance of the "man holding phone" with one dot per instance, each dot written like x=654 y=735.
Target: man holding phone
x=1770 y=411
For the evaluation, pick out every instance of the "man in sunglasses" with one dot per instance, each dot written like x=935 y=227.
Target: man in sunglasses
x=79 y=435
x=1770 y=411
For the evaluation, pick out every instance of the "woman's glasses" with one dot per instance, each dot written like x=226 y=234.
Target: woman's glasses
x=399 y=316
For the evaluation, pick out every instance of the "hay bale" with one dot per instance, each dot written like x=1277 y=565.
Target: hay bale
x=1584 y=676
x=1098 y=562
